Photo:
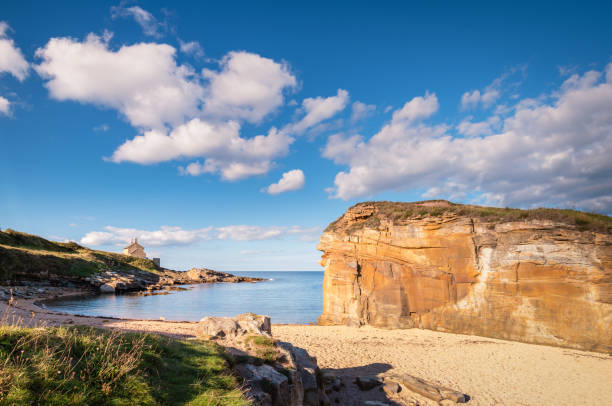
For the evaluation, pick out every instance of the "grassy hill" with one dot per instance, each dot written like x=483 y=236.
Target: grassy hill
x=24 y=254
x=87 y=366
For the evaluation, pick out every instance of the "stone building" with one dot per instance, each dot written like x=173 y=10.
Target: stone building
x=135 y=249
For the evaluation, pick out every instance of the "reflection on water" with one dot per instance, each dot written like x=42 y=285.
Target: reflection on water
x=289 y=297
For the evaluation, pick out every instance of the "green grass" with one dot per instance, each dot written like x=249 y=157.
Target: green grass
x=402 y=211
x=87 y=366
x=264 y=347
x=22 y=253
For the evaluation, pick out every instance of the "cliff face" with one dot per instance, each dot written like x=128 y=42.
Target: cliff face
x=534 y=280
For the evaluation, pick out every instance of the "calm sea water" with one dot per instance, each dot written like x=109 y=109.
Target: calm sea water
x=289 y=297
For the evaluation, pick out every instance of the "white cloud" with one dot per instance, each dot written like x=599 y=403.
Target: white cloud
x=11 y=58
x=142 y=81
x=177 y=115
x=473 y=129
x=169 y=236
x=5 y=106
x=361 y=111
x=248 y=87
x=149 y=24
x=319 y=109
x=292 y=180
x=546 y=153
x=162 y=237
x=487 y=97
x=417 y=109
x=192 y=48
x=225 y=151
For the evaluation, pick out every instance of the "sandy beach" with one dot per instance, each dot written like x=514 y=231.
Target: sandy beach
x=492 y=372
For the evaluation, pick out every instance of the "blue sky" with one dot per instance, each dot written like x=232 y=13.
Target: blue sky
x=229 y=136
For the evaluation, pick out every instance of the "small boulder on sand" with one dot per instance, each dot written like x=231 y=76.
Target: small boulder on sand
x=248 y=323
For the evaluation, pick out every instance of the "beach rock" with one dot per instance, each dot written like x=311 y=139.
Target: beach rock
x=107 y=288
x=368 y=382
x=269 y=380
x=254 y=324
x=248 y=323
x=391 y=387
x=429 y=390
x=218 y=327
x=536 y=281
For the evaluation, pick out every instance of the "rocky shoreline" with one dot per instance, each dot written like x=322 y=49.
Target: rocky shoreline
x=29 y=285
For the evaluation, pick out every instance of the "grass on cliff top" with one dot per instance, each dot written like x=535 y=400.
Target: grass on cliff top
x=87 y=366
x=31 y=254
x=398 y=211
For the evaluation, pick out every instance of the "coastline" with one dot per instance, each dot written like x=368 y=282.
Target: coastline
x=491 y=371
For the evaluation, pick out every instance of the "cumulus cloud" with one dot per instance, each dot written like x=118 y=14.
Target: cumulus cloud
x=169 y=236
x=416 y=109
x=473 y=129
x=5 y=106
x=248 y=87
x=361 y=111
x=178 y=113
x=142 y=81
x=546 y=153
x=11 y=58
x=192 y=48
x=318 y=109
x=292 y=180
x=149 y=24
x=225 y=151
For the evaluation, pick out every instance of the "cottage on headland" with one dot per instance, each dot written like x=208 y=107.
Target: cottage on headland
x=137 y=250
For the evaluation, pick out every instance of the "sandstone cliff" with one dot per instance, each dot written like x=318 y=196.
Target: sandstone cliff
x=541 y=276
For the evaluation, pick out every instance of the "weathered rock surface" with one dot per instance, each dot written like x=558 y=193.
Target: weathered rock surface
x=535 y=281
x=243 y=324
x=429 y=390
x=275 y=373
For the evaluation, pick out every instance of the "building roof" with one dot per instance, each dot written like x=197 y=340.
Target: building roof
x=134 y=244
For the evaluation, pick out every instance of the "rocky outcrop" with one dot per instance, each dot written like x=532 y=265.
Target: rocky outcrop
x=275 y=373
x=506 y=274
x=124 y=281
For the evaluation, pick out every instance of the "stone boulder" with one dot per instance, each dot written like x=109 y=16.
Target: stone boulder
x=107 y=288
x=265 y=378
x=222 y=327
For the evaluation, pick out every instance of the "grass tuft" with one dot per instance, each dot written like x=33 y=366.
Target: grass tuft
x=83 y=365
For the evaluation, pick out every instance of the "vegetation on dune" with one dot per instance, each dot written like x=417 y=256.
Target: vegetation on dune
x=402 y=211
x=83 y=365
x=21 y=252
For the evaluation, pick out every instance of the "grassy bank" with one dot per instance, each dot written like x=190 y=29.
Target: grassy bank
x=87 y=366
x=26 y=253
x=402 y=211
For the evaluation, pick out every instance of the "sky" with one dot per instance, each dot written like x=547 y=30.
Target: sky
x=229 y=135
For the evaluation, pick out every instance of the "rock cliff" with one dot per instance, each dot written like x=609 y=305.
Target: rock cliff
x=540 y=276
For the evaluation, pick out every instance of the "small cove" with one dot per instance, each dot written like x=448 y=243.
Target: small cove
x=288 y=297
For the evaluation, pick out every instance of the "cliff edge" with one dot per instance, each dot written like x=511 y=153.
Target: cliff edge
x=540 y=276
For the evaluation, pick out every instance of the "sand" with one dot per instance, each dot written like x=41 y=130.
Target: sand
x=492 y=372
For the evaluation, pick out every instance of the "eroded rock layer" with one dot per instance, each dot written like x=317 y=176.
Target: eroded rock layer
x=534 y=280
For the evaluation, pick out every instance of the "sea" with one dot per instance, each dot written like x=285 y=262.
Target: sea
x=287 y=297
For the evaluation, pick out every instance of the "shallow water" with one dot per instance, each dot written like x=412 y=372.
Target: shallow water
x=289 y=297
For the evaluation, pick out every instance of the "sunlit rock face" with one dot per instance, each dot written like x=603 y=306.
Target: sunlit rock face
x=536 y=281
